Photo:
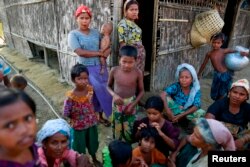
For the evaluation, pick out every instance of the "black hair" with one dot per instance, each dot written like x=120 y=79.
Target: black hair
x=120 y=152
x=19 y=80
x=155 y=102
x=76 y=71
x=128 y=4
x=10 y=96
x=128 y=50
x=147 y=132
x=216 y=36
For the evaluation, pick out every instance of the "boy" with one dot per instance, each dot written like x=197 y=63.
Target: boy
x=106 y=31
x=122 y=85
x=222 y=78
x=4 y=71
x=18 y=81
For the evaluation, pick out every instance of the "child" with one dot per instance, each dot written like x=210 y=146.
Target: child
x=122 y=85
x=17 y=129
x=168 y=135
x=18 y=81
x=184 y=97
x=79 y=108
x=4 y=71
x=106 y=31
x=222 y=78
x=119 y=154
x=53 y=139
x=146 y=149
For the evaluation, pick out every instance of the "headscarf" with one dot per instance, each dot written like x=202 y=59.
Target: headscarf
x=215 y=133
x=242 y=83
x=82 y=9
x=52 y=127
x=196 y=85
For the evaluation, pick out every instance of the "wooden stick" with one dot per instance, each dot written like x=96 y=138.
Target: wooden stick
x=177 y=20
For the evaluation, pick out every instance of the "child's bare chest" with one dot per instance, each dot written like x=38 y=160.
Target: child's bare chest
x=126 y=79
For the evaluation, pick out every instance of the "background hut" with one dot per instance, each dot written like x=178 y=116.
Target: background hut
x=39 y=29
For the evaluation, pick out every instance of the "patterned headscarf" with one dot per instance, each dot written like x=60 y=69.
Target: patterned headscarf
x=52 y=127
x=83 y=9
x=242 y=83
x=196 y=84
x=215 y=133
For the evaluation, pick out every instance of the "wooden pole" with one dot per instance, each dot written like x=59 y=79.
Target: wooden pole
x=175 y=20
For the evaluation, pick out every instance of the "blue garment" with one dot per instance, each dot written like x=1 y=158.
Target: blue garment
x=175 y=92
x=221 y=84
x=90 y=42
x=4 y=68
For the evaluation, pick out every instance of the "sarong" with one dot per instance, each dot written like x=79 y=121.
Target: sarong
x=122 y=124
x=221 y=84
x=102 y=100
x=175 y=108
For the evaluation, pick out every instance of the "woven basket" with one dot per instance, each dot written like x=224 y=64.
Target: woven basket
x=209 y=23
x=196 y=38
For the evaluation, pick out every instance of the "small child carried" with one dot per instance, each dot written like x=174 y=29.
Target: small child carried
x=78 y=107
x=4 y=71
x=106 y=31
x=124 y=82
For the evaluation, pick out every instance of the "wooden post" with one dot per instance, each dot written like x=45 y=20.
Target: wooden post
x=117 y=15
x=46 y=61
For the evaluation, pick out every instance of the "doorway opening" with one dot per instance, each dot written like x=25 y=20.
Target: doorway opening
x=145 y=22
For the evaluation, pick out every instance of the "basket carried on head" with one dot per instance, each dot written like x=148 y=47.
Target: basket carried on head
x=206 y=24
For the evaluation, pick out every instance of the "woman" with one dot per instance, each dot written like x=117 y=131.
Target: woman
x=54 y=139
x=184 y=96
x=85 y=42
x=209 y=135
x=233 y=111
x=130 y=33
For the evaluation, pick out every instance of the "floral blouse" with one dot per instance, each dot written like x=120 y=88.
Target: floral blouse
x=80 y=110
x=175 y=92
x=129 y=32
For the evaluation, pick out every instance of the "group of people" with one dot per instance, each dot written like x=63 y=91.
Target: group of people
x=174 y=132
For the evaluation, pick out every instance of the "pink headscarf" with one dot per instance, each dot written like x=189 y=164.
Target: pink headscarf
x=216 y=133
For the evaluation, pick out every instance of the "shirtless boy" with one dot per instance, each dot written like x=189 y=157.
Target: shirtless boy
x=222 y=78
x=124 y=80
x=106 y=31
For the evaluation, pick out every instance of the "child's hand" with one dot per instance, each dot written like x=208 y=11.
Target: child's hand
x=163 y=95
x=142 y=125
x=173 y=156
x=244 y=53
x=138 y=162
x=83 y=160
x=101 y=54
x=129 y=109
x=118 y=100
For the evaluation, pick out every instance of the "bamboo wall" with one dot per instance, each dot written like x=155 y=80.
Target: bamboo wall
x=47 y=23
x=173 y=39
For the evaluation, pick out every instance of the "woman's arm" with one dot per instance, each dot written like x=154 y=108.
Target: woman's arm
x=183 y=142
x=85 y=53
x=184 y=114
x=168 y=111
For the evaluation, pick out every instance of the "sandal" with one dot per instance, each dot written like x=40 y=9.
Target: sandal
x=105 y=122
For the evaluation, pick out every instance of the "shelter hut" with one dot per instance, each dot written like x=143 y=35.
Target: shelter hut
x=39 y=29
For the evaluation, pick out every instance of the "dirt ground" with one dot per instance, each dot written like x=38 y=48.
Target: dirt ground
x=47 y=81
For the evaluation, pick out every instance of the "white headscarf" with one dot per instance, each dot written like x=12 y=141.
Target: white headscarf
x=52 y=127
x=196 y=84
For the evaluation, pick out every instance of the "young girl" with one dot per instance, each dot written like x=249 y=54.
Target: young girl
x=168 y=135
x=79 y=108
x=53 y=139
x=130 y=33
x=85 y=42
x=184 y=101
x=17 y=130
x=146 y=149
